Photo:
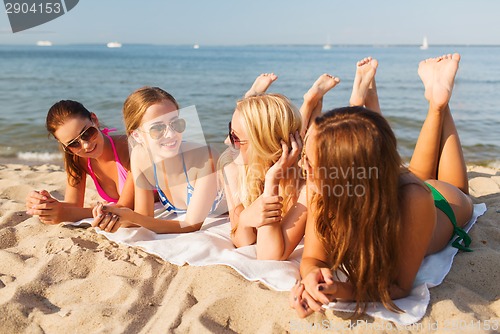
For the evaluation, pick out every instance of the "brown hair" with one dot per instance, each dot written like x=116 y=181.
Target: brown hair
x=58 y=114
x=360 y=230
x=141 y=99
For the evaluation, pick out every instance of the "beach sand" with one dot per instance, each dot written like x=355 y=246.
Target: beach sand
x=63 y=279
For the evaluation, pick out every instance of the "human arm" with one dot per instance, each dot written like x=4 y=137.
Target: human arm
x=277 y=240
x=204 y=180
x=418 y=219
x=52 y=211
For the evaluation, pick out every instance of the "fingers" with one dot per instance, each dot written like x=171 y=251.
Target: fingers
x=327 y=275
x=284 y=153
x=296 y=143
x=113 y=224
x=272 y=200
x=308 y=302
x=271 y=210
x=297 y=301
x=315 y=284
x=106 y=221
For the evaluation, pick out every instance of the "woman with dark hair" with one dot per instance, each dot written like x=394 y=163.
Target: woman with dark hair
x=88 y=150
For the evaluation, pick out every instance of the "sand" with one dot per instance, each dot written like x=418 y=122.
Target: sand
x=63 y=279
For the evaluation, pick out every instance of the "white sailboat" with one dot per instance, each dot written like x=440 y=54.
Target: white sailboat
x=44 y=43
x=114 y=45
x=327 y=46
x=425 y=44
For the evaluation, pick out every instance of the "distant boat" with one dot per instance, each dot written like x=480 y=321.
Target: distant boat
x=44 y=43
x=196 y=46
x=327 y=46
x=425 y=44
x=114 y=45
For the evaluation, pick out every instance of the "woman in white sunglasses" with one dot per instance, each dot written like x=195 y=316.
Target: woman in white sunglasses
x=181 y=173
x=87 y=151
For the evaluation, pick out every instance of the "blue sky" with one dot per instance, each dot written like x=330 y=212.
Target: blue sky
x=235 y=22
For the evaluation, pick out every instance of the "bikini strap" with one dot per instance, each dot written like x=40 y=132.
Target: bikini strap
x=105 y=131
x=442 y=204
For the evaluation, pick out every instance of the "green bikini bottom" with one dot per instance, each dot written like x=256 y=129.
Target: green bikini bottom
x=442 y=204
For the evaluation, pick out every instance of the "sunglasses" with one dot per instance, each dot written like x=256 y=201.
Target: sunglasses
x=87 y=135
x=235 y=141
x=157 y=131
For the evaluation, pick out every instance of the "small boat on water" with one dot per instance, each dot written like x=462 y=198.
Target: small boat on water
x=425 y=44
x=44 y=43
x=196 y=46
x=114 y=45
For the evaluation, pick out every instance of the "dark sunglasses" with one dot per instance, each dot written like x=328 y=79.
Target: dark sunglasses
x=87 y=135
x=235 y=141
x=157 y=131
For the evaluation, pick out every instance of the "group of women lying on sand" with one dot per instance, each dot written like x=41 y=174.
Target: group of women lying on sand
x=334 y=178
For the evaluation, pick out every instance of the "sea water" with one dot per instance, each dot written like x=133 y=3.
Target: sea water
x=213 y=78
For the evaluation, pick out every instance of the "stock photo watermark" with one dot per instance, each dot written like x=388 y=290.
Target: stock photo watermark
x=27 y=14
x=451 y=325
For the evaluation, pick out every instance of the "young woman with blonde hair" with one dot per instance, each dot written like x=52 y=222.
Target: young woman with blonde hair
x=182 y=173
x=263 y=183
x=378 y=233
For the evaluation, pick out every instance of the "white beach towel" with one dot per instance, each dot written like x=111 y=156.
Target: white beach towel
x=212 y=245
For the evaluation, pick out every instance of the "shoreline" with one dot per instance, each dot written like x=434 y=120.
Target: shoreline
x=57 y=279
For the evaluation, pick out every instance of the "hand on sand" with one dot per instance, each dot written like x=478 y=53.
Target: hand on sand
x=43 y=205
x=315 y=290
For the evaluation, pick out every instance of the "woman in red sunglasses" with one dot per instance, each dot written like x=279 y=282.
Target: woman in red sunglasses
x=87 y=151
x=263 y=184
x=182 y=173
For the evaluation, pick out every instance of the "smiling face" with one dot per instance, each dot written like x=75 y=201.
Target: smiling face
x=156 y=117
x=240 y=138
x=73 y=128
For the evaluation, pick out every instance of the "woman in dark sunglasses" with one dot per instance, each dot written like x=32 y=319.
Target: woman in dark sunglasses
x=182 y=173
x=264 y=188
x=87 y=151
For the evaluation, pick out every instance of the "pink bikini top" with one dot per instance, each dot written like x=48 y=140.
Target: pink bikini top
x=122 y=172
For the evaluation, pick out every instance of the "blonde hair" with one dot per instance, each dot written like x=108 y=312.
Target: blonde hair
x=269 y=119
x=361 y=234
x=139 y=101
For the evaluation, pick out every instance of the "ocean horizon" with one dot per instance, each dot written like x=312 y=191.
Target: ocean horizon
x=214 y=77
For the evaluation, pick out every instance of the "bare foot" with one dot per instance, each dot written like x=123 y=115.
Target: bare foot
x=364 y=81
x=261 y=84
x=320 y=87
x=438 y=76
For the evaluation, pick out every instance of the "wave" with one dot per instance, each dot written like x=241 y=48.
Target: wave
x=39 y=156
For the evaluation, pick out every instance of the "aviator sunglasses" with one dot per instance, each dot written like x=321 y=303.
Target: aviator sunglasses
x=235 y=141
x=157 y=131
x=87 y=135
